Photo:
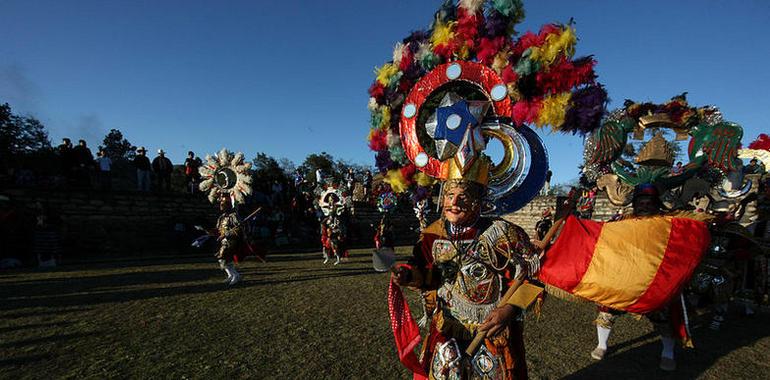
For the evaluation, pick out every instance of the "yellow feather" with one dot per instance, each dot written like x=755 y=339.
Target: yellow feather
x=385 y=73
x=442 y=33
x=500 y=61
x=423 y=179
x=553 y=111
x=555 y=45
x=385 y=123
x=396 y=181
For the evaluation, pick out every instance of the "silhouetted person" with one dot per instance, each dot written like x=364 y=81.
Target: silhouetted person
x=66 y=159
x=163 y=167
x=142 y=165
x=84 y=162
x=191 y=165
x=103 y=170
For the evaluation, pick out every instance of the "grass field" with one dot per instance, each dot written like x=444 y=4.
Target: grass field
x=294 y=318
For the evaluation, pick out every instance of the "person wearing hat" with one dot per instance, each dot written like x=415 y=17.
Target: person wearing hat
x=142 y=165
x=645 y=203
x=163 y=167
x=544 y=224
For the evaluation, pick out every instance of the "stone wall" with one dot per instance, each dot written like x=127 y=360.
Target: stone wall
x=124 y=223
x=103 y=224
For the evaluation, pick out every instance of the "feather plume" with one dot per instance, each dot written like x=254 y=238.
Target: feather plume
x=496 y=24
x=398 y=53
x=761 y=143
x=512 y=9
x=424 y=180
x=382 y=161
x=223 y=157
x=471 y=6
x=425 y=56
x=378 y=140
x=386 y=73
x=554 y=110
x=525 y=112
x=443 y=33
x=587 y=106
x=237 y=159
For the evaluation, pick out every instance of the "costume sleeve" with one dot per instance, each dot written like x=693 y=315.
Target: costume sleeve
x=423 y=275
x=516 y=247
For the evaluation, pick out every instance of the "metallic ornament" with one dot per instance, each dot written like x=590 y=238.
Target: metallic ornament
x=410 y=110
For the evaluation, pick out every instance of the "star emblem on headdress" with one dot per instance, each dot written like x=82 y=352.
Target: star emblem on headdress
x=453 y=119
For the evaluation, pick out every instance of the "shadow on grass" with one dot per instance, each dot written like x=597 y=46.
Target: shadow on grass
x=42 y=313
x=61 y=286
x=49 y=339
x=642 y=362
x=25 y=360
x=68 y=300
x=340 y=273
x=34 y=326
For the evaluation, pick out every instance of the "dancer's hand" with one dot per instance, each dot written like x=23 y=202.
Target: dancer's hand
x=497 y=320
x=403 y=275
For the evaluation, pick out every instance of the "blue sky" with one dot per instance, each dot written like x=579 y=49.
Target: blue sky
x=289 y=77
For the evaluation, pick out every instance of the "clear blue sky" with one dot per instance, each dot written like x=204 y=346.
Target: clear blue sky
x=290 y=77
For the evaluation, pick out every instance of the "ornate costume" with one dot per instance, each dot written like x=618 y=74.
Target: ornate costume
x=227 y=178
x=447 y=92
x=334 y=230
x=464 y=273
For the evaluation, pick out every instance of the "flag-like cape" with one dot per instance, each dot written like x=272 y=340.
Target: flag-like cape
x=636 y=265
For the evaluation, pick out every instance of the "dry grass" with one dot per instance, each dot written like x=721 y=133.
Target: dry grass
x=292 y=318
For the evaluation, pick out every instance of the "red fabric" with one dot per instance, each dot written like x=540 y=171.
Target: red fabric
x=405 y=330
x=686 y=243
x=567 y=260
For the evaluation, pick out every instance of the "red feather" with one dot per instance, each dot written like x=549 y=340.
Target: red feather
x=525 y=112
x=762 y=142
x=377 y=91
x=379 y=141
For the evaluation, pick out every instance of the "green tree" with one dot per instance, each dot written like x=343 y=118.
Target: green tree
x=20 y=135
x=323 y=161
x=266 y=170
x=117 y=147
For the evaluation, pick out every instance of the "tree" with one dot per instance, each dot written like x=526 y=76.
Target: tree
x=287 y=166
x=323 y=161
x=20 y=135
x=267 y=170
x=117 y=147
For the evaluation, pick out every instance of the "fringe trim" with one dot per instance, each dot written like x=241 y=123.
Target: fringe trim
x=564 y=295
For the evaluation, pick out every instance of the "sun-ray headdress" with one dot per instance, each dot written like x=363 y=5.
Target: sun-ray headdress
x=451 y=89
x=226 y=175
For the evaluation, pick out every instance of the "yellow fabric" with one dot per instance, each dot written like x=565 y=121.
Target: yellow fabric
x=524 y=296
x=625 y=261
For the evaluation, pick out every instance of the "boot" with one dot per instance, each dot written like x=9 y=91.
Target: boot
x=326 y=256
x=236 y=277
x=227 y=271
x=338 y=259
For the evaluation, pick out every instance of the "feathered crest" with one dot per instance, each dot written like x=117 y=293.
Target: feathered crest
x=226 y=174
x=545 y=84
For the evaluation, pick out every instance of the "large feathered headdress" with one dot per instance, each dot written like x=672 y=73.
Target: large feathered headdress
x=452 y=88
x=226 y=175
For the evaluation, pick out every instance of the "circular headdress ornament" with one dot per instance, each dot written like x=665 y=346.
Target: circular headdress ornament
x=226 y=175
x=333 y=200
x=387 y=201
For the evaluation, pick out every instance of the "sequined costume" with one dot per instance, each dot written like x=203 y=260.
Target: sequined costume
x=334 y=237
x=464 y=273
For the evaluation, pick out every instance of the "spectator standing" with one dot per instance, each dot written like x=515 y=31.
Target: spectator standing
x=367 y=184
x=547 y=185
x=191 y=166
x=277 y=192
x=350 y=180
x=84 y=162
x=66 y=158
x=142 y=165
x=104 y=170
x=319 y=177
x=163 y=167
